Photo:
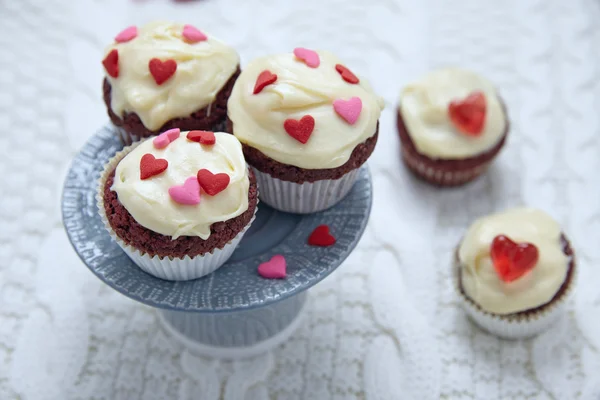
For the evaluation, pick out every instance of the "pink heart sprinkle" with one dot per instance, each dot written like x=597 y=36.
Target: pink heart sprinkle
x=274 y=268
x=193 y=34
x=172 y=134
x=310 y=57
x=163 y=140
x=188 y=193
x=348 y=109
x=127 y=34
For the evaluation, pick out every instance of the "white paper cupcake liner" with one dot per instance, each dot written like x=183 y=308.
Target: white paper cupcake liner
x=516 y=326
x=169 y=268
x=441 y=177
x=303 y=198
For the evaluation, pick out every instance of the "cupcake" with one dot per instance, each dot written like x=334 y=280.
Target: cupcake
x=306 y=123
x=513 y=272
x=452 y=124
x=166 y=75
x=178 y=204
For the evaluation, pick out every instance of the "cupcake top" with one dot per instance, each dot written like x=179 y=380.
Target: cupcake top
x=513 y=261
x=453 y=114
x=177 y=186
x=163 y=70
x=305 y=109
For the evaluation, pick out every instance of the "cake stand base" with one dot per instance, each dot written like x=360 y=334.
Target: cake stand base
x=236 y=334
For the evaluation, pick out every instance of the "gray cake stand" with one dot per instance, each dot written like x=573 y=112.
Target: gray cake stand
x=233 y=312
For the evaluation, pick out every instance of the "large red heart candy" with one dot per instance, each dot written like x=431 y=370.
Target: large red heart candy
x=512 y=260
x=321 y=237
x=300 y=130
x=150 y=166
x=346 y=74
x=211 y=183
x=468 y=115
x=111 y=63
x=265 y=78
x=162 y=70
x=202 y=137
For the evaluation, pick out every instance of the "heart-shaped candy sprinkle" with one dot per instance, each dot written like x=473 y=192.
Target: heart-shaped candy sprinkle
x=300 y=130
x=265 y=78
x=348 y=109
x=310 y=57
x=163 y=140
x=212 y=184
x=162 y=70
x=202 y=137
x=193 y=34
x=346 y=74
x=512 y=260
x=468 y=115
x=187 y=194
x=111 y=63
x=127 y=34
x=321 y=237
x=150 y=166
x=275 y=268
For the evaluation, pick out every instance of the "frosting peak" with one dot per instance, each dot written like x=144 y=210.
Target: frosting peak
x=479 y=277
x=300 y=90
x=202 y=69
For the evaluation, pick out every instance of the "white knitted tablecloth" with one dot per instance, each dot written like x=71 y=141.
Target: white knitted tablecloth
x=386 y=325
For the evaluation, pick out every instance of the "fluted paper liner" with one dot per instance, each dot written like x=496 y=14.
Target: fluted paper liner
x=441 y=176
x=169 y=268
x=303 y=198
x=514 y=326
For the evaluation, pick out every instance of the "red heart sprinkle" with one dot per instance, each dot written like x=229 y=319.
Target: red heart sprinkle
x=512 y=260
x=202 y=137
x=264 y=79
x=211 y=183
x=111 y=63
x=468 y=115
x=321 y=237
x=300 y=130
x=150 y=166
x=346 y=74
x=162 y=70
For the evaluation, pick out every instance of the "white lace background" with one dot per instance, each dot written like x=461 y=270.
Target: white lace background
x=386 y=325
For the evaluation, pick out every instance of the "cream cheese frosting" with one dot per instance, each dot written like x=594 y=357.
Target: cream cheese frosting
x=300 y=90
x=149 y=202
x=480 y=281
x=424 y=109
x=203 y=68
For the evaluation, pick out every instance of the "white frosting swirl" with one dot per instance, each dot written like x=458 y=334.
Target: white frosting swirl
x=424 y=109
x=148 y=200
x=480 y=281
x=203 y=68
x=258 y=119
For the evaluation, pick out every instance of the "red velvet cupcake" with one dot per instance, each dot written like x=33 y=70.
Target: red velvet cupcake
x=307 y=123
x=452 y=124
x=167 y=75
x=177 y=207
x=514 y=272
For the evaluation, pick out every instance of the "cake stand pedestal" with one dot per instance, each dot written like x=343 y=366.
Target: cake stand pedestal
x=233 y=312
x=236 y=334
